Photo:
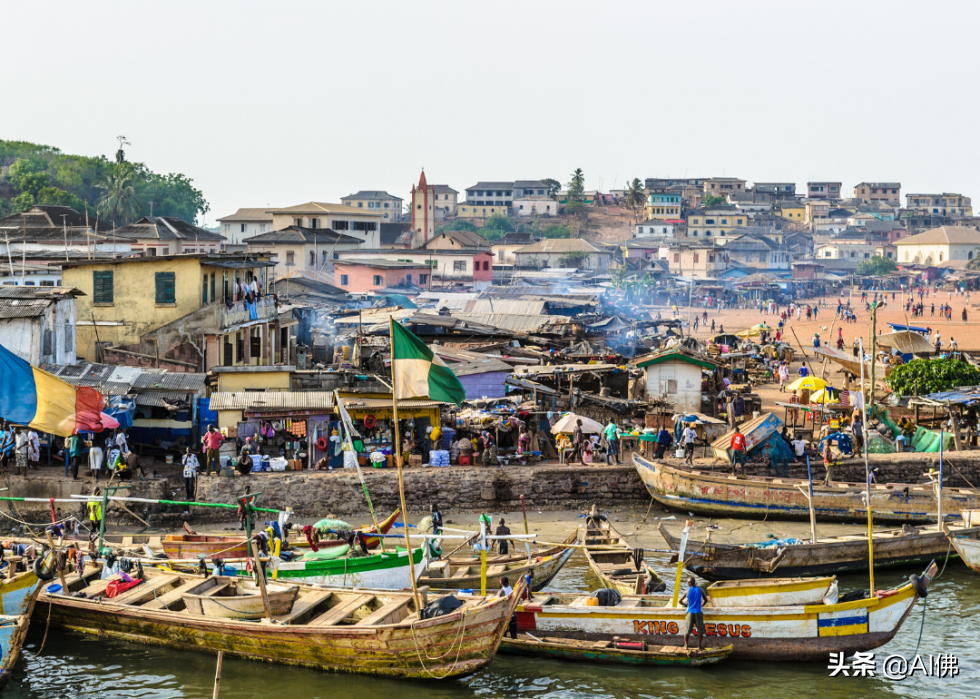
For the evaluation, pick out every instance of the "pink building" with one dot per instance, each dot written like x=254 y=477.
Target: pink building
x=360 y=276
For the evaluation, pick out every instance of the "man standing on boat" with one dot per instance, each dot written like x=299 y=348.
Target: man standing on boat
x=738 y=451
x=694 y=597
x=503 y=545
x=689 y=435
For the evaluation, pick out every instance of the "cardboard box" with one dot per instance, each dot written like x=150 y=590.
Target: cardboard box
x=415 y=460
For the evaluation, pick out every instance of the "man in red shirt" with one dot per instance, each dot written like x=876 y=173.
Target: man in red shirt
x=738 y=450
x=212 y=441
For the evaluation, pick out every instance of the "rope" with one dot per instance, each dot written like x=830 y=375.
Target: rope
x=922 y=625
x=459 y=638
x=46 y=627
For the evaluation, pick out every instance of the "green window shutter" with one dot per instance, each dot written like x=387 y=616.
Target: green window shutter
x=102 y=287
x=165 y=287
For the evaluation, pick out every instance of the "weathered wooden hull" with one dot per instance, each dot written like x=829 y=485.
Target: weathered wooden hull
x=448 y=646
x=722 y=495
x=189 y=546
x=560 y=649
x=713 y=561
x=968 y=549
x=601 y=554
x=379 y=571
x=17 y=598
x=776 y=592
x=797 y=633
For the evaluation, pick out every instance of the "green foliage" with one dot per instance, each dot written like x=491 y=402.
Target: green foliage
x=876 y=266
x=461 y=225
x=554 y=186
x=118 y=201
x=924 y=376
x=576 y=187
x=552 y=230
x=497 y=222
x=572 y=258
x=712 y=200
x=635 y=198
x=41 y=174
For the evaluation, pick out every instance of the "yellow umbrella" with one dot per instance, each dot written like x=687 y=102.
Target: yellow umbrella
x=811 y=383
x=824 y=395
x=750 y=332
x=762 y=326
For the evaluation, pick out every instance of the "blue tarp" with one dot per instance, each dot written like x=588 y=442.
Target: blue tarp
x=122 y=409
x=914 y=328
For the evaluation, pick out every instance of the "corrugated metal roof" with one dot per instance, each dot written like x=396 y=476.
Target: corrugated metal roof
x=484 y=366
x=171 y=381
x=160 y=399
x=372 y=318
x=515 y=323
x=272 y=400
x=23 y=308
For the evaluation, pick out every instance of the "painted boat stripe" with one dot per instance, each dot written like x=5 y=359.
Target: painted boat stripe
x=843 y=621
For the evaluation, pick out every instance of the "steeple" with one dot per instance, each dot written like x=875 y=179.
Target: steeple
x=422 y=182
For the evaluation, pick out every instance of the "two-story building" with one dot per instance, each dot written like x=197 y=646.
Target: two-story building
x=657 y=227
x=888 y=192
x=245 y=223
x=466 y=265
x=497 y=194
x=697 y=260
x=722 y=186
x=714 y=221
x=169 y=235
x=297 y=249
x=663 y=203
x=376 y=200
x=939 y=245
x=187 y=312
x=816 y=210
x=348 y=220
x=757 y=252
x=771 y=191
x=823 y=190
x=792 y=210
x=563 y=252
x=944 y=204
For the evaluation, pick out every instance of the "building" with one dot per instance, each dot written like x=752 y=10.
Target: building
x=504 y=248
x=457 y=240
x=38 y=323
x=816 y=210
x=939 y=245
x=775 y=190
x=792 y=211
x=188 y=311
x=396 y=235
x=697 y=260
x=723 y=186
x=59 y=230
x=169 y=235
x=483 y=378
x=499 y=194
x=359 y=223
x=675 y=376
x=535 y=206
x=663 y=204
x=823 y=190
x=388 y=205
x=888 y=192
x=563 y=252
x=467 y=210
x=302 y=249
x=446 y=200
x=376 y=275
x=663 y=182
x=855 y=250
x=467 y=265
x=245 y=223
x=714 y=221
x=939 y=204
x=757 y=252
x=29 y=274
x=655 y=227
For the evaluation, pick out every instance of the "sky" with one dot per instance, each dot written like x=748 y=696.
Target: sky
x=274 y=104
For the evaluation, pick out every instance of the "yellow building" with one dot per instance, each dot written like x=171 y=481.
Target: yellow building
x=940 y=204
x=714 y=221
x=186 y=307
x=232 y=379
x=794 y=211
x=466 y=210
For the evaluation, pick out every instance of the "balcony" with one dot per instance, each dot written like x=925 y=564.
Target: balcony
x=238 y=313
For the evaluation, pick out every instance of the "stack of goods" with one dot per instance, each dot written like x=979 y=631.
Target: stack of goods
x=439 y=457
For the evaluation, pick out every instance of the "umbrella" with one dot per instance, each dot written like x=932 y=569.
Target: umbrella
x=762 y=326
x=108 y=422
x=567 y=424
x=811 y=383
x=824 y=395
x=749 y=332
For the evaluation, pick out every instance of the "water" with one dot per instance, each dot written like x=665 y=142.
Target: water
x=76 y=666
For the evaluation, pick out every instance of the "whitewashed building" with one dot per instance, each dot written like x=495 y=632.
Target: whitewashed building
x=37 y=323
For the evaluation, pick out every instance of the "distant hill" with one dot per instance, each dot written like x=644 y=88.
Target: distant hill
x=37 y=174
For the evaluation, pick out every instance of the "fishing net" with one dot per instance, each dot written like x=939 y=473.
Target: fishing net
x=325 y=525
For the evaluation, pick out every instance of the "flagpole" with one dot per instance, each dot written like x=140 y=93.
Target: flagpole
x=398 y=463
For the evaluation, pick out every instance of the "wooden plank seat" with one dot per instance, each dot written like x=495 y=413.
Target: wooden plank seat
x=146 y=590
x=341 y=611
x=495 y=571
x=168 y=599
x=463 y=572
x=96 y=589
x=303 y=605
x=387 y=614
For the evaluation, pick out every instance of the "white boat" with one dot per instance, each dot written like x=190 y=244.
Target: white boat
x=778 y=592
x=378 y=571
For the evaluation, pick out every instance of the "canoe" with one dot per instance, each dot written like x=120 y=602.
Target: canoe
x=17 y=598
x=789 y=633
x=463 y=572
x=371 y=632
x=386 y=570
x=724 y=495
x=756 y=431
x=778 y=592
x=968 y=549
x=230 y=598
x=893 y=548
x=605 y=651
x=617 y=569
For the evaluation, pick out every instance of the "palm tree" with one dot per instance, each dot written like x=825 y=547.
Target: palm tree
x=634 y=196
x=576 y=188
x=118 y=200
x=974 y=262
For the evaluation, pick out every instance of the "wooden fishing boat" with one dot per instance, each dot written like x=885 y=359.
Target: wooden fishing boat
x=609 y=651
x=786 y=633
x=231 y=598
x=756 y=431
x=776 y=592
x=724 y=495
x=463 y=572
x=385 y=570
x=365 y=631
x=905 y=547
x=17 y=598
x=619 y=566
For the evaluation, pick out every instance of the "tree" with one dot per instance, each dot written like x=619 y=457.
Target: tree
x=712 y=200
x=573 y=258
x=974 y=262
x=118 y=201
x=553 y=187
x=876 y=266
x=576 y=188
x=635 y=198
x=924 y=376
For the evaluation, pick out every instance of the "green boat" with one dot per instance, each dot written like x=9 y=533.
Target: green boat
x=333 y=567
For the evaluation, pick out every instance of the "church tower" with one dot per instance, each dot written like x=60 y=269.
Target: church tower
x=423 y=212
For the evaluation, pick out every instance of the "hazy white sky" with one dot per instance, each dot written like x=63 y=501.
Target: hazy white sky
x=280 y=103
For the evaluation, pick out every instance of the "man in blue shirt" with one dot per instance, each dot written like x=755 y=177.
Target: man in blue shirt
x=804 y=371
x=694 y=598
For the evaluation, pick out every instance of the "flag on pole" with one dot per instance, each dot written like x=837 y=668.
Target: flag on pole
x=35 y=398
x=418 y=373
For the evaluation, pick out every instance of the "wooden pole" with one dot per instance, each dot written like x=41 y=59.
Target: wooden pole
x=217 y=675
x=867 y=466
x=680 y=561
x=528 y=543
x=253 y=554
x=398 y=463
x=953 y=418
x=813 y=513
x=483 y=557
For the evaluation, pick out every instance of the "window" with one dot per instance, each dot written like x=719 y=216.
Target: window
x=101 y=287
x=408 y=278
x=204 y=295
x=326 y=256
x=314 y=223
x=151 y=252
x=213 y=297
x=239 y=346
x=377 y=280
x=695 y=258
x=365 y=225
x=53 y=284
x=940 y=257
x=868 y=254
x=297 y=222
x=459 y=265
x=166 y=287
x=423 y=279
x=360 y=205
x=341 y=225
x=290 y=258
x=343 y=280
x=677 y=257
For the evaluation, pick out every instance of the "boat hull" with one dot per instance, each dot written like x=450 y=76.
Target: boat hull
x=968 y=549
x=557 y=650
x=379 y=571
x=17 y=599
x=544 y=572
x=722 y=495
x=797 y=633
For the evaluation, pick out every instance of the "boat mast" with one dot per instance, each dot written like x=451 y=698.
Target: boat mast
x=680 y=561
x=349 y=440
x=813 y=513
x=867 y=462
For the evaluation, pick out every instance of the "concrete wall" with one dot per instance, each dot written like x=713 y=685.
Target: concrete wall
x=233 y=381
x=25 y=336
x=688 y=384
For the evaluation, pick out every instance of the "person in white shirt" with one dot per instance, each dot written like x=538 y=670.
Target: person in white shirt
x=121 y=442
x=689 y=435
x=95 y=460
x=799 y=446
x=952 y=344
x=190 y=473
x=20 y=451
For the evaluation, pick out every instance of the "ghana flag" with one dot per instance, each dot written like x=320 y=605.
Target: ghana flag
x=418 y=373
x=35 y=398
